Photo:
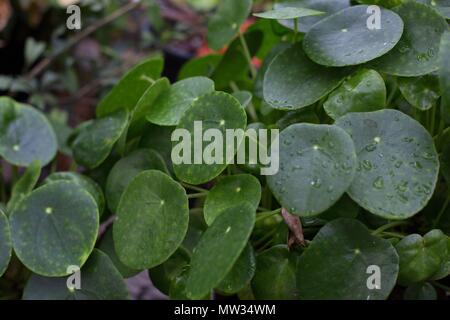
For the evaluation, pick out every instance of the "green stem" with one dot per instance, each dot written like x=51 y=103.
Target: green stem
x=2 y=185
x=197 y=195
x=295 y=30
x=388 y=226
x=433 y=120
x=441 y=286
x=392 y=234
x=195 y=188
x=392 y=95
x=196 y=210
x=263 y=215
x=247 y=55
x=15 y=175
x=439 y=216
x=73 y=166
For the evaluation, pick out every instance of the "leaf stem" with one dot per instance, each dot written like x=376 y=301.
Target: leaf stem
x=441 y=286
x=195 y=188
x=441 y=212
x=295 y=30
x=433 y=120
x=267 y=214
x=247 y=55
x=388 y=226
x=392 y=234
x=392 y=94
x=197 y=195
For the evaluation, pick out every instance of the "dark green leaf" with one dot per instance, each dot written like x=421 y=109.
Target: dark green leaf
x=55 y=227
x=287 y=13
x=422 y=92
x=25 y=134
x=152 y=220
x=229 y=192
x=317 y=165
x=100 y=280
x=200 y=67
x=337 y=264
x=96 y=138
x=293 y=81
x=444 y=76
x=398 y=163
x=126 y=169
x=420 y=291
x=5 y=242
x=344 y=38
x=219 y=249
x=416 y=53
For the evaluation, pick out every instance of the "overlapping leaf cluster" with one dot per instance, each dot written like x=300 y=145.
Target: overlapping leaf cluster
x=364 y=163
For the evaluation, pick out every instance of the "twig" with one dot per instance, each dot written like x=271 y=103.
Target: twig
x=295 y=226
x=41 y=66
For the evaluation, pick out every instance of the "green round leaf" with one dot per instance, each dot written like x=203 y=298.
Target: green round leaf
x=241 y=273
x=398 y=163
x=275 y=276
x=420 y=291
x=293 y=81
x=317 y=165
x=158 y=138
x=229 y=192
x=85 y=182
x=216 y=110
x=202 y=66
x=422 y=92
x=286 y=13
x=126 y=93
x=5 y=243
x=305 y=23
x=107 y=246
x=152 y=220
x=165 y=274
x=336 y=265
x=219 y=249
x=170 y=106
x=344 y=38
x=100 y=280
x=96 y=138
x=363 y=91
x=444 y=269
x=224 y=25
x=55 y=227
x=416 y=53
x=25 y=134
x=421 y=257
x=126 y=169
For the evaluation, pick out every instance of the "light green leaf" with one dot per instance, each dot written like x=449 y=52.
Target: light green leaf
x=293 y=81
x=416 y=53
x=422 y=92
x=336 y=263
x=363 y=91
x=152 y=220
x=55 y=227
x=229 y=192
x=224 y=25
x=23 y=187
x=170 y=106
x=200 y=67
x=317 y=165
x=421 y=257
x=344 y=39
x=127 y=92
x=398 y=163
x=304 y=24
x=100 y=281
x=96 y=138
x=25 y=134
x=219 y=249
x=286 y=13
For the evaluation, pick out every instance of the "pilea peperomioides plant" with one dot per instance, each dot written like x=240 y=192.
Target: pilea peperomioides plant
x=358 y=207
